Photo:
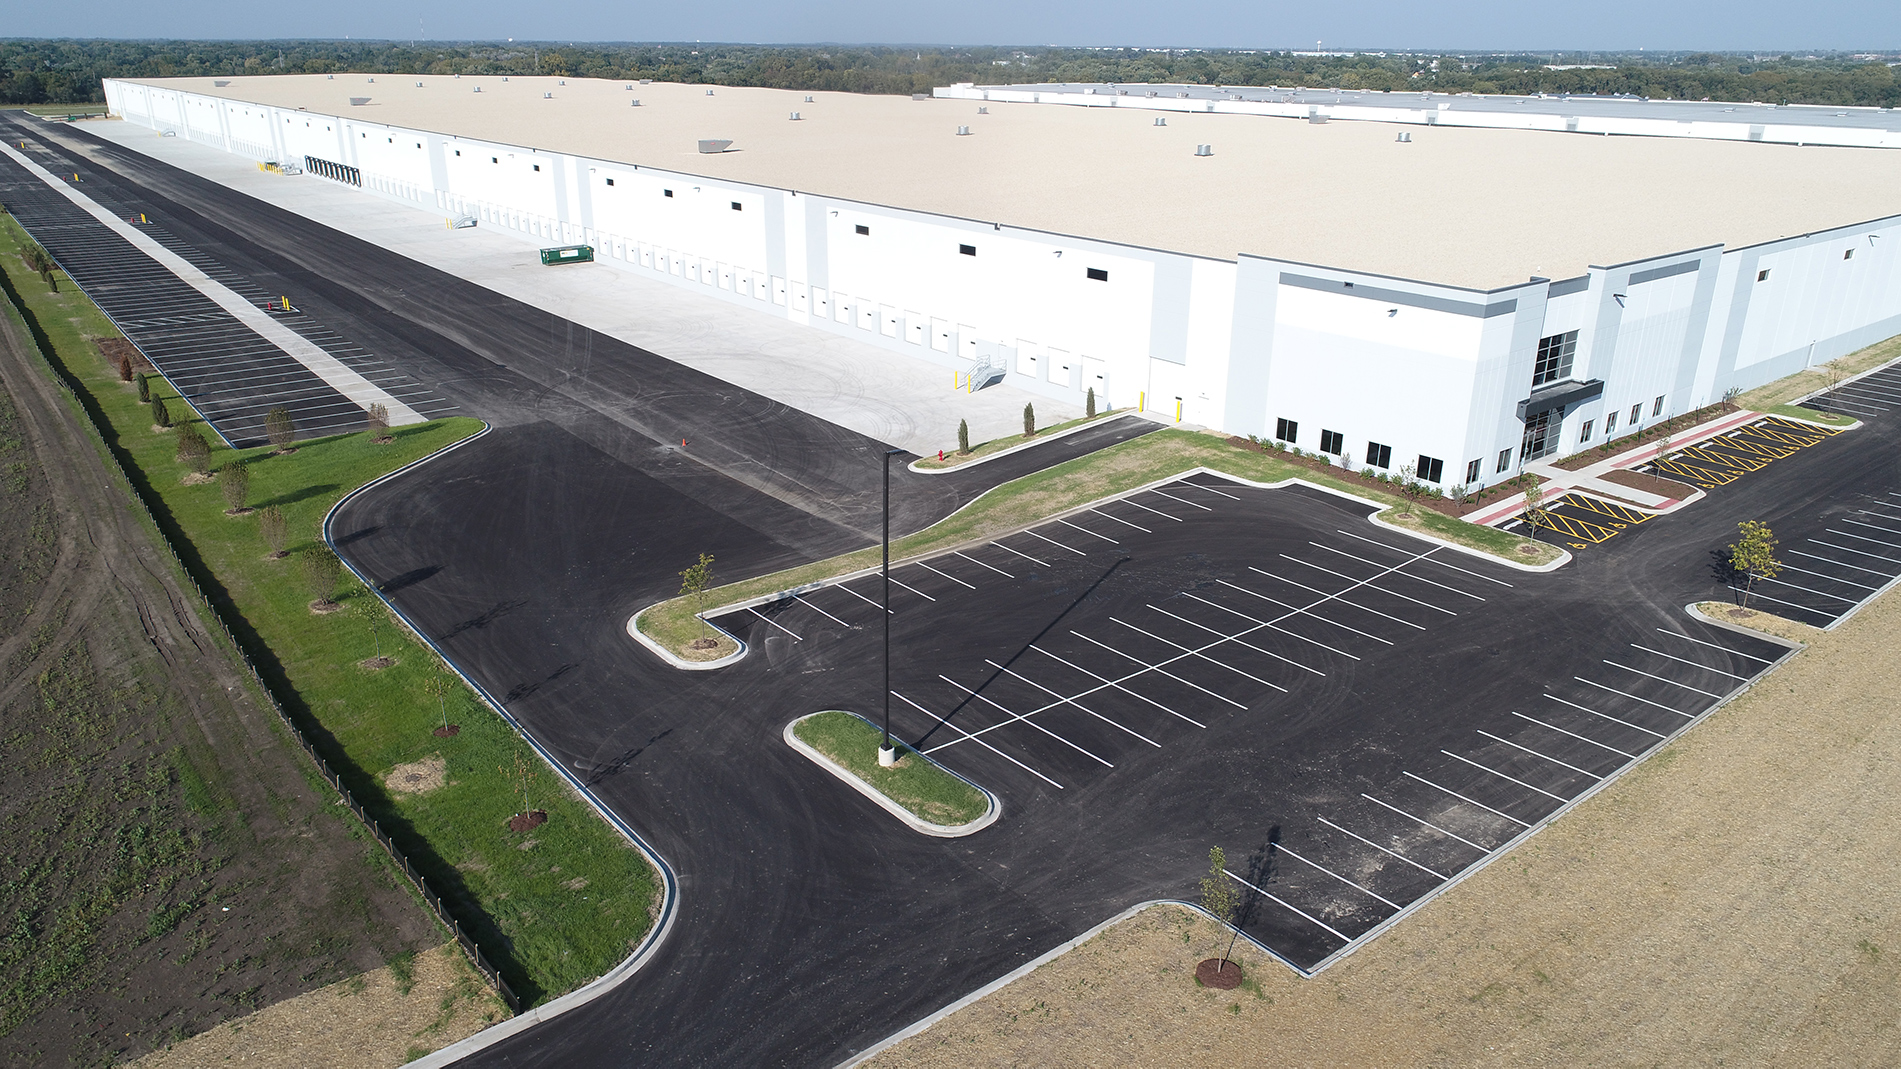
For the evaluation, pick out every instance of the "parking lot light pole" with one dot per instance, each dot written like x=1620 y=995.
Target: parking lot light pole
x=887 y=754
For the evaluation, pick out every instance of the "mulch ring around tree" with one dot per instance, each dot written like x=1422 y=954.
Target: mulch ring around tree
x=325 y=608
x=1215 y=973
x=448 y=731
x=376 y=664
x=703 y=644
x=535 y=818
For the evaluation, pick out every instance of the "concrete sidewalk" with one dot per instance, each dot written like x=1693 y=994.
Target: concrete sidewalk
x=906 y=401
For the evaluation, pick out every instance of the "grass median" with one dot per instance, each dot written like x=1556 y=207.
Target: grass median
x=1119 y=468
x=923 y=788
x=953 y=459
x=554 y=907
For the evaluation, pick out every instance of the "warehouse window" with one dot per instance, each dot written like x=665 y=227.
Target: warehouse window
x=537 y=166
x=1097 y=274
x=1554 y=358
x=1762 y=275
x=610 y=181
x=1472 y=472
x=1379 y=456
x=1584 y=432
x=1504 y=462
x=1431 y=469
x=493 y=159
x=1286 y=430
x=736 y=207
x=1848 y=254
x=458 y=152
x=863 y=229
x=1636 y=413
x=1657 y=409
x=667 y=192
x=1610 y=424
x=1333 y=442
x=967 y=250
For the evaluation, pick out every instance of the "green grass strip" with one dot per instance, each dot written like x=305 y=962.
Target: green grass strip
x=552 y=908
x=1008 y=441
x=1812 y=415
x=920 y=786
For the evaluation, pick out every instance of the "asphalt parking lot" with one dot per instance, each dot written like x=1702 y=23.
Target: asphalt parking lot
x=1170 y=628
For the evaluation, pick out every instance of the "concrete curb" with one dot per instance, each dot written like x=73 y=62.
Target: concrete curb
x=669 y=882
x=667 y=655
x=1106 y=417
x=917 y=823
x=1857 y=377
x=1751 y=632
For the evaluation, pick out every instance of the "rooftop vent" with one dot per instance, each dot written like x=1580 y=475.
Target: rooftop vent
x=920 y=96
x=1405 y=136
x=357 y=102
x=963 y=131
x=630 y=85
x=646 y=81
x=329 y=77
x=478 y=88
x=1159 y=121
x=808 y=100
x=1204 y=150
x=419 y=85
x=372 y=80
x=1150 y=93
x=547 y=96
x=563 y=81
x=795 y=116
x=1317 y=119
x=711 y=146
x=636 y=102
x=709 y=92
x=983 y=111
x=222 y=84
x=1184 y=96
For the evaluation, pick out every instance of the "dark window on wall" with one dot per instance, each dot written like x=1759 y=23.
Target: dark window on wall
x=1762 y=275
x=1286 y=430
x=666 y=192
x=1333 y=442
x=1636 y=413
x=1555 y=355
x=494 y=159
x=1097 y=274
x=1472 y=472
x=1379 y=456
x=967 y=250
x=1430 y=469
x=1657 y=409
x=1504 y=462
x=1848 y=254
x=537 y=167
x=457 y=151
x=610 y=181
x=1584 y=432
x=1610 y=424
x=737 y=208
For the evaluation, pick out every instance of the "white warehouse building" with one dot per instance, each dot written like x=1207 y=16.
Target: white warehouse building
x=1490 y=293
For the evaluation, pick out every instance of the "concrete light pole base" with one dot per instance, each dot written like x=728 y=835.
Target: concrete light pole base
x=887 y=756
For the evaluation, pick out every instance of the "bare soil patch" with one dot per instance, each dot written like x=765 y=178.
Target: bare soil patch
x=198 y=478
x=708 y=648
x=528 y=821
x=1729 y=902
x=417 y=777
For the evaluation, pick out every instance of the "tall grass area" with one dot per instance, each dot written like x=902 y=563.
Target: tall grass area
x=553 y=907
x=1121 y=467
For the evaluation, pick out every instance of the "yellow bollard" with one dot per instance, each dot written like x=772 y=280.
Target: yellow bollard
x=1142 y=401
x=1178 y=411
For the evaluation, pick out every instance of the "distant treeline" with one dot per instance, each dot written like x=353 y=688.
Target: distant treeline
x=69 y=72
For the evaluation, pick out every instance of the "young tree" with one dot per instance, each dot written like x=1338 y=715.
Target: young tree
x=1754 y=556
x=279 y=428
x=125 y=369
x=276 y=531
x=1663 y=448
x=963 y=437
x=1029 y=421
x=160 y=417
x=321 y=570
x=193 y=449
x=234 y=482
x=439 y=683
x=1218 y=897
x=1089 y=403
x=145 y=388
x=694 y=583
x=522 y=775
x=378 y=419
x=1534 y=506
x=41 y=262
x=1409 y=485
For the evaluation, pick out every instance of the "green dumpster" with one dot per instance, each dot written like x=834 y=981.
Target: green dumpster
x=568 y=254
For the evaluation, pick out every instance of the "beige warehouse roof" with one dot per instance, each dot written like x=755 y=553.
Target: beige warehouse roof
x=1478 y=208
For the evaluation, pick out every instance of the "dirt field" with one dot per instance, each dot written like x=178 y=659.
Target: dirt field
x=1731 y=902
x=168 y=864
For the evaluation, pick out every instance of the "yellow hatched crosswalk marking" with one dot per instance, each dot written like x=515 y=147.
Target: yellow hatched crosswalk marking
x=1758 y=446
x=1709 y=456
x=1614 y=511
x=1707 y=478
x=1809 y=430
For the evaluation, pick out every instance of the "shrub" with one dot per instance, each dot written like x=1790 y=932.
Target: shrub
x=276 y=531
x=160 y=417
x=234 y=482
x=963 y=436
x=278 y=427
x=321 y=570
x=1366 y=473
x=1029 y=421
x=193 y=449
x=145 y=388
x=1089 y=404
x=378 y=419
x=125 y=369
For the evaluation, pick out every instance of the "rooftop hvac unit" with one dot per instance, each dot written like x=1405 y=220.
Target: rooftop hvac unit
x=372 y=81
x=636 y=102
x=478 y=88
x=630 y=85
x=920 y=96
x=357 y=102
x=808 y=100
x=709 y=92
x=547 y=96
x=1204 y=150
x=222 y=84
x=1317 y=119
x=419 y=85
x=714 y=145
x=1405 y=136
x=1159 y=121
x=795 y=116
x=983 y=111
x=963 y=131
x=646 y=81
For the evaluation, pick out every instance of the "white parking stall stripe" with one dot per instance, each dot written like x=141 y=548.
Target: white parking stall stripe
x=1860 y=408
x=1693 y=664
x=1123 y=522
x=1661 y=679
x=1429 y=824
x=1760 y=596
x=1025 y=556
x=1153 y=668
x=1431 y=560
x=1063 y=700
x=1117 y=684
x=946 y=575
x=1291 y=909
x=1876 y=526
x=1237 y=641
x=774 y=623
x=1145 y=508
x=1210 y=489
x=1183 y=500
x=1273 y=626
x=1635 y=698
x=1863 y=538
x=981 y=564
x=1464 y=799
x=1545 y=756
x=1878 y=516
x=1860 y=389
x=1503 y=776
x=1285 y=849
x=946 y=723
x=1338 y=598
x=1806 y=590
x=1187 y=652
x=1841 y=564
x=1058 y=545
x=1885 y=505
x=1014 y=718
x=861 y=597
x=1408 y=575
x=1383 y=850
x=820 y=611
x=1785 y=566
x=1381 y=589
x=914 y=590
x=1575 y=735
x=1298 y=611
x=1090 y=533
x=1713 y=645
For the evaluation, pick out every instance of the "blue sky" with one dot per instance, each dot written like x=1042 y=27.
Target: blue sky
x=1401 y=24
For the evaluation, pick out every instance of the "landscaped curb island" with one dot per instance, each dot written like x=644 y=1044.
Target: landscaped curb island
x=846 y=745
